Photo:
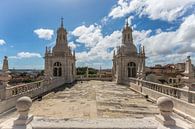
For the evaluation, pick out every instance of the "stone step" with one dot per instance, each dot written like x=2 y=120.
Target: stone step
x=128 y=111
x=124 y=105
x=130 y=123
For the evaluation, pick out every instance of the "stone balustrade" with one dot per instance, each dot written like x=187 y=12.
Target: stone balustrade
x=80 y=78
x=33 y=90
x=23 y=88
x=179 y=93
x=184 y=100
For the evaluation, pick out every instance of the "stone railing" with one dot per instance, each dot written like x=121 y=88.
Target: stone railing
x=184 y=100
x=23 y=88
x=80 y=78
x=179 y=93
x=33 y=90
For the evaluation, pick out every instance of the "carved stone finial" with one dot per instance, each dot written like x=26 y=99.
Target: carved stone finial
x=23 y=105
x=5 y=68
x=165 y=106
x=5 y=77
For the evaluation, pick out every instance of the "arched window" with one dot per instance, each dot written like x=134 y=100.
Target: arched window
x=131 y=69
x=57 y=69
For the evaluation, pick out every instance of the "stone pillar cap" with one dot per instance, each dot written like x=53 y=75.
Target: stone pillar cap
x=165 y=104
x=24 y=103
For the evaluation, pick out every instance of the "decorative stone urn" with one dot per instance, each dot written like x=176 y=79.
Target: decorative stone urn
x=23 y=105
x=165 y=106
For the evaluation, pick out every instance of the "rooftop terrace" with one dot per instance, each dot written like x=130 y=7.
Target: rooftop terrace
x=94 y=103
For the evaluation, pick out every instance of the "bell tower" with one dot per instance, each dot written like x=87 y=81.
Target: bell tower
x=60 y=61
x=127 y=62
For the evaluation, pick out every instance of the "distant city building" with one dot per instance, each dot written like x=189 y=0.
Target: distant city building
x=171 y=74
x=127 y=62
x=60 y=61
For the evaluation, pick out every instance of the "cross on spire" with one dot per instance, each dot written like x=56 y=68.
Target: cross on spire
x=62 y=20
x=127 y=24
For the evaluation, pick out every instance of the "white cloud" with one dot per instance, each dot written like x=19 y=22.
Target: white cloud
x=72 y=45
x=89 y=36
x=129 y=19
x=2 y=42
x=172 y=45
x=168 y=10
x=100 y=48
x=22 y=55
x=161 y=47
x=44 y=33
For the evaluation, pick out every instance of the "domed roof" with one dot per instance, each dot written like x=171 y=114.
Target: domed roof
x=129 y=49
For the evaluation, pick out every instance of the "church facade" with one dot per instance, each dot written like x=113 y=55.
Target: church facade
x=60 y=61
x=127 y=61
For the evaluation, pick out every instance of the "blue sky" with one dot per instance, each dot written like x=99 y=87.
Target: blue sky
x=166 y=28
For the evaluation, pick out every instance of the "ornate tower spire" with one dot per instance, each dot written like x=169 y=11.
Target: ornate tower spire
x=46 y=50
x=74 y=53
x=62 y=22
x=127 y=24
x=140 y=49
x=143 y=51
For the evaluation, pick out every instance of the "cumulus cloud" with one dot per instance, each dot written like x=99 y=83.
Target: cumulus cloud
x=103 y=46
x=168 y=10
x=88 y=35
x=72 y=45
x=2 y=42
x=171 y=45
x=161 y=46
x=22 y=55
x=44 y=33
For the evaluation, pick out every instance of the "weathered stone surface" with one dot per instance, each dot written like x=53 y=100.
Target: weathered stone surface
x=127 y=123
x=23 y=104
x=165 y=104
x=94 y=99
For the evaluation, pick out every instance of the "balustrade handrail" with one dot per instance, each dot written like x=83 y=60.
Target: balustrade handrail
x=25 y=84
x=162 y=85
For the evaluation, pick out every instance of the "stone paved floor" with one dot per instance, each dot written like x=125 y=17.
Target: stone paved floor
x=94 y=99
x=90 y=100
